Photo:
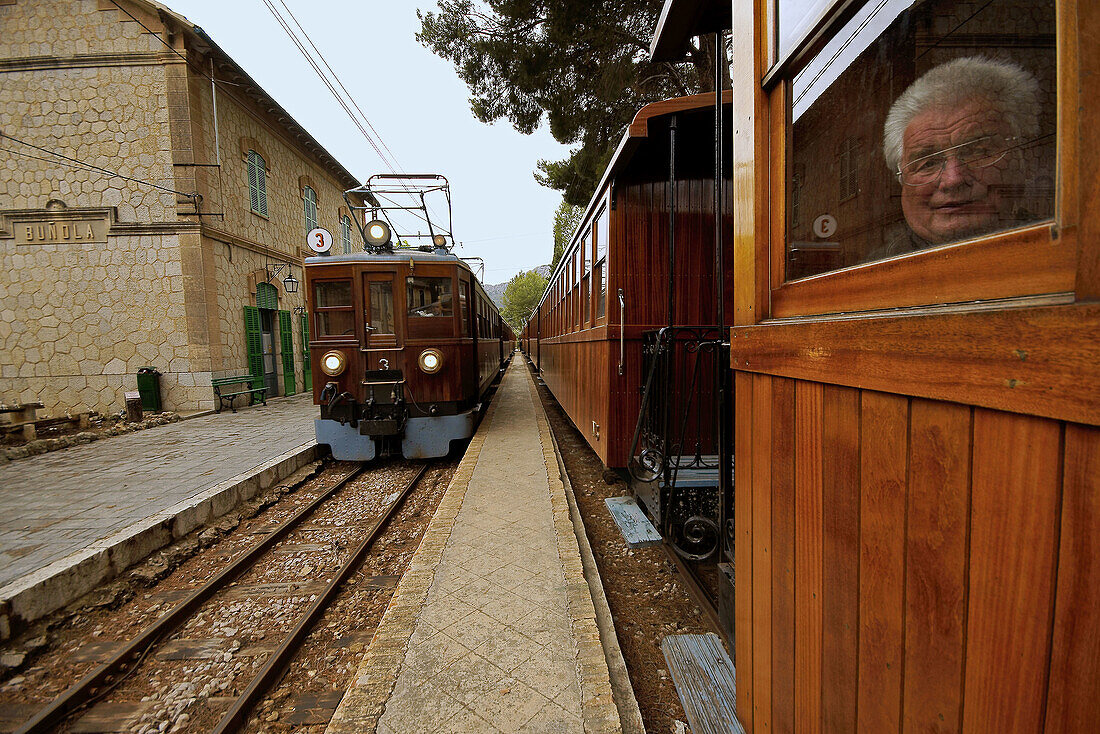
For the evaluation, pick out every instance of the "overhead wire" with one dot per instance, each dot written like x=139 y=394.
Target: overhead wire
x=84 y=165
x=362 y=122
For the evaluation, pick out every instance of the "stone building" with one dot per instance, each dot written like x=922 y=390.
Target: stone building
x=153 y=201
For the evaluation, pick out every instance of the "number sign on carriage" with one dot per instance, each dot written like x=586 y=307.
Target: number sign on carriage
x=319 y=240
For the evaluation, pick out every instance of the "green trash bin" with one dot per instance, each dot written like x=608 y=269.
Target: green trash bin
x=148 y=380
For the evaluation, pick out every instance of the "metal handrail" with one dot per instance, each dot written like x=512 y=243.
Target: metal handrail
x=622 y=330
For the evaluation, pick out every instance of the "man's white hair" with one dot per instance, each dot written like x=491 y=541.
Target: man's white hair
x=1006 y=86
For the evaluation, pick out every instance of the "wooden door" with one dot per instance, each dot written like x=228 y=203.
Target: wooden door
x=383 y=336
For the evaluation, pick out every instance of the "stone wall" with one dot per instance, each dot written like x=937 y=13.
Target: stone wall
x=162 y=280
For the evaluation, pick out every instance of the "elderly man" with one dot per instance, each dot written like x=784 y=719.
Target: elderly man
x=951 y=138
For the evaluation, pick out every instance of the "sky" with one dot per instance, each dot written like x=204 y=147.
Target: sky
x=415 y=102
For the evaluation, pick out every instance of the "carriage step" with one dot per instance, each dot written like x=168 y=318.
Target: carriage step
x=704 y=678
x=633 y=524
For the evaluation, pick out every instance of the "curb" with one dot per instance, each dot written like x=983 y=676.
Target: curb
x=50 y=588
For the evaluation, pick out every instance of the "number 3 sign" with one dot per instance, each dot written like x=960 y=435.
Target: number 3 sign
x=319 y=240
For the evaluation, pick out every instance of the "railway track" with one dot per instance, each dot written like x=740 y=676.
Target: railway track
x=350 y=530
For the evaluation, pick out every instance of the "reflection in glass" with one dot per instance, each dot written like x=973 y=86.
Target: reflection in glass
x=334 y=323
x=954 y=136
x=381 y=307
x=332 y=294
x=429 y=297
x=795 y=18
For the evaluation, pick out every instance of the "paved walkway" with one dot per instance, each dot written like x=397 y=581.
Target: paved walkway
x=75 y=516
x=493 y=627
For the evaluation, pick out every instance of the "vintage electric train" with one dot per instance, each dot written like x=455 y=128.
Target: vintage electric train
x=889 y=482
x=405 y=343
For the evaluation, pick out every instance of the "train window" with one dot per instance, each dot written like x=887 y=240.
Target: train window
x=600 y=278
x=332 y=305
x=586 y=256
x=795 y=19
x=463 y=305
x=381 y=306
x=427 y=297
x=955 y=139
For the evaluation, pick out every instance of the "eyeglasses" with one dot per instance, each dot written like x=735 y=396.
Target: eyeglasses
x=979 y=153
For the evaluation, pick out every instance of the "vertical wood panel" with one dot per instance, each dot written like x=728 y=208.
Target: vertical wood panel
x=1014 y=507
x=808 y=556
x=782 y=538
x=742 y=550
x=840 y=603
x=1075 y=650
x=884 y=446
x=935 y=571
x=761 y=553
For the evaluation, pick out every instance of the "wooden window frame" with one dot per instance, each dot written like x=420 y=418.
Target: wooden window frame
x=1039 y=259
x=315 y=327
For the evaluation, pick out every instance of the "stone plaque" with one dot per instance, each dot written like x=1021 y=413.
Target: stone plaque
x=59 y=231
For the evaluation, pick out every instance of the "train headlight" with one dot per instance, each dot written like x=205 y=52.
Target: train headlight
x=439 y=240
x=334 y=363
x=431 y=361
x=378 y=233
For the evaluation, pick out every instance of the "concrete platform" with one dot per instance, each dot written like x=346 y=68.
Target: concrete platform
x=73 y=518
x=494 y=628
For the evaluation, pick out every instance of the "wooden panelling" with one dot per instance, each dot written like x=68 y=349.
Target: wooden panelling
x=808 y=552
x=1039 y=361
x=762 y=630
x=884 y=431
x=1075 y=643
x=840 y=514
x=782 y=538
x=744 y=433
x=935 y=578
x=1015 y=496
x=915 y=565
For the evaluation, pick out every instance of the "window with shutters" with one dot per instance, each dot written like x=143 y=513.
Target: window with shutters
x=267 y=296
x=345 y=233
x=309 y=197
x=257 y=183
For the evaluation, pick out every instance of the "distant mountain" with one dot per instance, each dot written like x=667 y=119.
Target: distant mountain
x=496 y=292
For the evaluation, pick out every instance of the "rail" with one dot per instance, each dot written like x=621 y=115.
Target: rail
x=125 y=660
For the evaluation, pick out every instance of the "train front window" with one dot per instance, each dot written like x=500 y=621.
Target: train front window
x=332 y=306
x=429 y=297
x=954 y=140
x=381 y=307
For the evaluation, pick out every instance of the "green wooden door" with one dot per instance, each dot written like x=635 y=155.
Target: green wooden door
x=254 y=345
x=307 y=372
x=287 y=339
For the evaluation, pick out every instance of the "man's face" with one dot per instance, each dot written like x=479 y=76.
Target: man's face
x=964 y=200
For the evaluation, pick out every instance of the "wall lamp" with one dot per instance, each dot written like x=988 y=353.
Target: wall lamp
x=290 y=283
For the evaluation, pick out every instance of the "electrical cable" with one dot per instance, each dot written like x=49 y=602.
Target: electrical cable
x=74 y=163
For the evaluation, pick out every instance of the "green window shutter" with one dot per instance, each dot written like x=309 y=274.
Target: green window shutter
x=307 y=372
x=288 y=352
x=254 y=343
x=267 y=296
x=257 y=183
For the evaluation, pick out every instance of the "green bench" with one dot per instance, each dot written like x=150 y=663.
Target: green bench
x=244 y=382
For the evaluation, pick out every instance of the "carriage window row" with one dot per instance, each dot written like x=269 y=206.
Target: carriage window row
x=577 y=296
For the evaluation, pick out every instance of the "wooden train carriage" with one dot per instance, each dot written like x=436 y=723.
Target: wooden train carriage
x=382 y=311
x=917 y=531
x=612 y=284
